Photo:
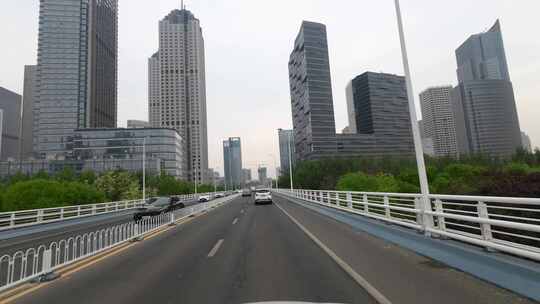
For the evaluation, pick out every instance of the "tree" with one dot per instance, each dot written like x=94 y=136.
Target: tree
x=67 y=174
x=88 y=177
x=118 y=185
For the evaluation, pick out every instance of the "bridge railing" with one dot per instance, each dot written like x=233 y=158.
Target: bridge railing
x=505 y=224
x=23 y=218
x=34 y=263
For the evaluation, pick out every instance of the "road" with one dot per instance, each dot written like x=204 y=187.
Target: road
x=31 y=237
x=242 y=253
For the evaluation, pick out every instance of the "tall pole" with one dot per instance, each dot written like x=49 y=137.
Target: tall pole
x=422 y=175
x=290 y=161
x=144 y=170
x=196 y=179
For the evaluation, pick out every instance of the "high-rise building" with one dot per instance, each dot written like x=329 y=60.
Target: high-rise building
x=10 y=104
x=246 y=176
x=263 y=175
x=526 y=142
x=286 y=141
x=26 y=149
x=232 y=161
x=379 y=119
x=438 y=121
x=484 y=98
x=311 y=94
x=154 y=76
x=134 y=123
x=180 y=101
x=76 y=84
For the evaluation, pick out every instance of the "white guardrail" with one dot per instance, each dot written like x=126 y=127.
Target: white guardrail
x=16 y=219
x=510 y=225
x=33 y=263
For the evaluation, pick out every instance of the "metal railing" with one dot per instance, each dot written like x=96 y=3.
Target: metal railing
x=510 y=225
x=23 y=218
x=31 y=264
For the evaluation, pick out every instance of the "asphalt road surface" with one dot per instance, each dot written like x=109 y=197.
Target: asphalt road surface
x=242 y=253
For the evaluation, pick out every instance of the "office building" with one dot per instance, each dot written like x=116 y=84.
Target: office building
x=484 y=98
x=26 y=149
x=246 y=176
x=76 y=83
x=286 y=141
x=438 y=121
x=119 y=143
x=177 y=88
x=263 y=175
x=10 y=104
x=526 y=142
x=311 y=94
x=232 y=162
x=427 y=142
x=379 y=119
x=154 y=76
x=133 y=123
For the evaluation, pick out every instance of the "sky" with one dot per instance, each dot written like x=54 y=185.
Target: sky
x=248 y=42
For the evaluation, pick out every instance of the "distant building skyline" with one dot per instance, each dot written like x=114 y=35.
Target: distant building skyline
x=10 y=104
x=526 y=142
x=232 y=160
x=134 y=123
x=27 y=124
x=286 y=142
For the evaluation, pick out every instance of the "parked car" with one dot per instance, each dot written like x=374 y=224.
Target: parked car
x=158 y=205
x=263 y=196
x=204 y=198
x=246 y=192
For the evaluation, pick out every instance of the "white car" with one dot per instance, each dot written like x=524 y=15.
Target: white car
x=263 y=196
x=204 y=198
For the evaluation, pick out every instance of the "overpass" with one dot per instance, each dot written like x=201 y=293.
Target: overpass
x=310 y=245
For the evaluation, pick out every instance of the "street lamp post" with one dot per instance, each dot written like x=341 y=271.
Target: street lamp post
x=144 y=170
x=290 y=161
x=422 y=175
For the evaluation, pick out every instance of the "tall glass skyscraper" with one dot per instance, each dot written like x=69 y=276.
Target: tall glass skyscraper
x=76 y=85
x=177 y=88
x=483 y=103
x=232 y=161
x=311 y=94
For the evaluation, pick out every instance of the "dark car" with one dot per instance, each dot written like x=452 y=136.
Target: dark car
x=158 y=205
x=246 y=192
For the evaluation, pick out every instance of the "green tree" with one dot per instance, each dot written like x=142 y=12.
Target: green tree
x=67 y=174
x=118 y=185
x=88 y=177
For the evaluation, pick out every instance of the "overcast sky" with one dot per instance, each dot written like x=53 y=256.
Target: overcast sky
x=248 y=44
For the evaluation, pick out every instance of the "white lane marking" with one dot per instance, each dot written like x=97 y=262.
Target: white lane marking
x=235 y=220
x=215 y=248
x=379 y=297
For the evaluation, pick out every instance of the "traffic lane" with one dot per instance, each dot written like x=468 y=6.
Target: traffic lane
x=128 y=277
x=34 y=240
x=262 y=256
x=400 y=274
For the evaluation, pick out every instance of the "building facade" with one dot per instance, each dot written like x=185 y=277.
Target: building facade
x=438 y=121
x=263 y=175
x=311 y=94
x=484 y=98
x=180 y=100
x=76 y=83
x=133 y=123
x=10 y=104
x=379 y=119
x=286 y=142
x=246 y=176
x=128 y=144
x=526 y=142
x=26 y=148
x=232 y=161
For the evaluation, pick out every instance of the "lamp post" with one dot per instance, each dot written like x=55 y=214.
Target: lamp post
x=420 y=163
x=144 y=170
x=290 y=160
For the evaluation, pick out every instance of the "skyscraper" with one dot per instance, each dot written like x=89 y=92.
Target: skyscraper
x=76 y=72
x=484 y=99
x=311 y=94
x=10 y=104
x=526 y=142
x=438 y=120
x=232 y=161
x=182 y=88
x=379 y=117
x=286 y=140
x=263 y=175
x=27 y=123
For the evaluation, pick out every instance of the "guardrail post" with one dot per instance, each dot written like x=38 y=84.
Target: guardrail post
x=172 y=223
x=47 y=273
x=12 y=220
x=440 y=218
x=485 y=228
x=427 y=219
x=136 y=233
x=39 y=216
x=365 y=200
x=94 y=209
x=349 y=200
x=418 y=206
x=386 y=202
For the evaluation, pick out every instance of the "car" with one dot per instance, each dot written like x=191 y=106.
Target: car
x=204 y=198
x=156 y=206
x=218 y=195
x=263 y=196
x=246 y=192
